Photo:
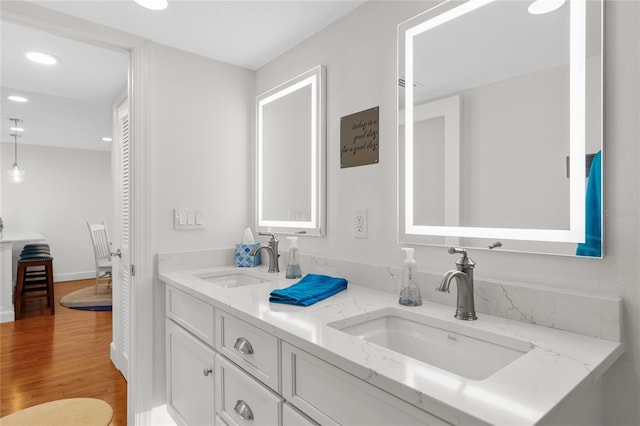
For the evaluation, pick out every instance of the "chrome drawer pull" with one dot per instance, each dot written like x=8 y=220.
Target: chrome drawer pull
x=207 y=371
x=243 y=410
x=243 y=346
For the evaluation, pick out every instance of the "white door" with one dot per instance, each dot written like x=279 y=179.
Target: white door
x=121 y=343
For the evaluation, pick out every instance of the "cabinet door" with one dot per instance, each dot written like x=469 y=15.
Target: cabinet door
x=332 y=397
x=242 y=400
x=190 y=378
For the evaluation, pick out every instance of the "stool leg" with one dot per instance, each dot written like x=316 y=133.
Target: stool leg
x=19 y=286
x=52 y=303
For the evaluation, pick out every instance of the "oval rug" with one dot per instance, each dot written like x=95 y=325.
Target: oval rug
x=63 y=412
x=86 y=299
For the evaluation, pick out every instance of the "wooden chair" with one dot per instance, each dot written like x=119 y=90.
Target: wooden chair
x=35 y=277
x=102 y=252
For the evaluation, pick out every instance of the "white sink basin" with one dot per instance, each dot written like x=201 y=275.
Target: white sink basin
x=231 y=279
x=458 y=348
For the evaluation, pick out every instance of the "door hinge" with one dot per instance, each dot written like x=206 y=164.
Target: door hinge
x=133 y=270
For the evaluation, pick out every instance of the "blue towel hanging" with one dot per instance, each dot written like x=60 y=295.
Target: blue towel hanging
x=593 y=233
x=310 y=289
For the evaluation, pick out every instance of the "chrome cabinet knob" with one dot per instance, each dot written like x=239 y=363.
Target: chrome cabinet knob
x=207 y=371
x=243 y=346
x=243 y=410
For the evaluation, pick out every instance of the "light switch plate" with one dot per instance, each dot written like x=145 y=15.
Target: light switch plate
x=188 y=219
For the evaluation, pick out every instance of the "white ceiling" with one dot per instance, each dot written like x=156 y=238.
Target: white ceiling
x=244 y=33
x=70 y=103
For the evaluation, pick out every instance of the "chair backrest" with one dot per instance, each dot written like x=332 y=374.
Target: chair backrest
x=101 y=244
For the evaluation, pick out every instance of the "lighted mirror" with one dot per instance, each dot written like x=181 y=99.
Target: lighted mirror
x=290 y=156
x=500 y=126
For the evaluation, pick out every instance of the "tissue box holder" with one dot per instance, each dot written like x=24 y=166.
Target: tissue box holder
x=243 y=260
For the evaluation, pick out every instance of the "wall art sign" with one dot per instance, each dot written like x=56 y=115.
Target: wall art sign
x=359 y=138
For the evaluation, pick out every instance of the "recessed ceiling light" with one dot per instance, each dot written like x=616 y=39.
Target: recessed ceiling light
x=540 y=7
x=16 y=129
x=16 y=98
x=153 y=4
x=105 y=139
x=41 y=58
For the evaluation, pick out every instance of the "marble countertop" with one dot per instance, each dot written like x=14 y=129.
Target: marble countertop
x=523 y=392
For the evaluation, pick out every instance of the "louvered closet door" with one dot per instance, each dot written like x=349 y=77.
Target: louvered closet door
x=121 y=344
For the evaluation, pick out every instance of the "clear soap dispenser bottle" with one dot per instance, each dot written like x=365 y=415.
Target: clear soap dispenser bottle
x=293 y=265
x=410 y=292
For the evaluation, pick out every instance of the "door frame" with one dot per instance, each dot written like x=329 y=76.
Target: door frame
x=140 y=384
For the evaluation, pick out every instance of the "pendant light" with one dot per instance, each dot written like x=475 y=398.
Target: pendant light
x=15 y=173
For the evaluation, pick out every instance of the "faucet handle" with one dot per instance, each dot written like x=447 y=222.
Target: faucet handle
x=465 y=261
x=273 y=237
x=454 y=250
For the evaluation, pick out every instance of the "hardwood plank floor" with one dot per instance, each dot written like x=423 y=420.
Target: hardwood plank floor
x=47 y=357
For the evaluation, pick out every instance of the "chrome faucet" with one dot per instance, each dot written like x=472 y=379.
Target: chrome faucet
x=463 y=274
x=272 y=248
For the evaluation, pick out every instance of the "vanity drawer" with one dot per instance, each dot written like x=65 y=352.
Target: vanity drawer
x=242 y=400
x=250 y=347
x=331 y=396
x=191 y=313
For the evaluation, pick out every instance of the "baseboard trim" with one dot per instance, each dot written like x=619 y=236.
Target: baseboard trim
x=73 y=276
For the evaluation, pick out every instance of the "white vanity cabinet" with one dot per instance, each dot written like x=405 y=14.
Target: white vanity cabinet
x=332 y=397
x=203 y=386
x=190 y=377
x=222 y=370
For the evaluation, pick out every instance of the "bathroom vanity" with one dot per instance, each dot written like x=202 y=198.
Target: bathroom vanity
x=361 y=358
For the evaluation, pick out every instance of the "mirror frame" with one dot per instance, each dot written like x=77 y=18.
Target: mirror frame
x=316 y=226
x=411 y=232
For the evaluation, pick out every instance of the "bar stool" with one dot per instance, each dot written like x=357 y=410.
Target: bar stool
x=35 y=276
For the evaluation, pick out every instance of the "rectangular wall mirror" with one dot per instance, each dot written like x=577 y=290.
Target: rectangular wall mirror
x=500 y=126
x=290 y=156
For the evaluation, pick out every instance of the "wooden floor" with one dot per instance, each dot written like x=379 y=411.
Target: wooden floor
x=45 y=357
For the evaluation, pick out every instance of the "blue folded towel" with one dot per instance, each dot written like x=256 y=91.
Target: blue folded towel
x=593 y=235
x=310 y=289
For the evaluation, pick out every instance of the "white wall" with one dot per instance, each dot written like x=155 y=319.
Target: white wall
x=63 y=189
x=359 y=52
x=201 y=122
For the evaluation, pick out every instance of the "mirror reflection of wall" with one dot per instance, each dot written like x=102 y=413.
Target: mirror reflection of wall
x=290 y=156
x=520 y=106
x=286 y=178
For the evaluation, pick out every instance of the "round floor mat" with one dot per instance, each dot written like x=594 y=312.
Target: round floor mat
x=63 y=412
x=87 y=299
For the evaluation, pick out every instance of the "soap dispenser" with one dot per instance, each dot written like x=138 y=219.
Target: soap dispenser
x=410 y=292
x=293 y=264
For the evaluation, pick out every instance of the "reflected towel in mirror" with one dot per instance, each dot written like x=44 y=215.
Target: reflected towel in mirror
x=593 y=236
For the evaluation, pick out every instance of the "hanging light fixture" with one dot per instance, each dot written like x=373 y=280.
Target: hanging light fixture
x=15 y=173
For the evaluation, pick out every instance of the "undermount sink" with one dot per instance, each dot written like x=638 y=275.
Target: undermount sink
x=230 y=279
x=468 y=352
